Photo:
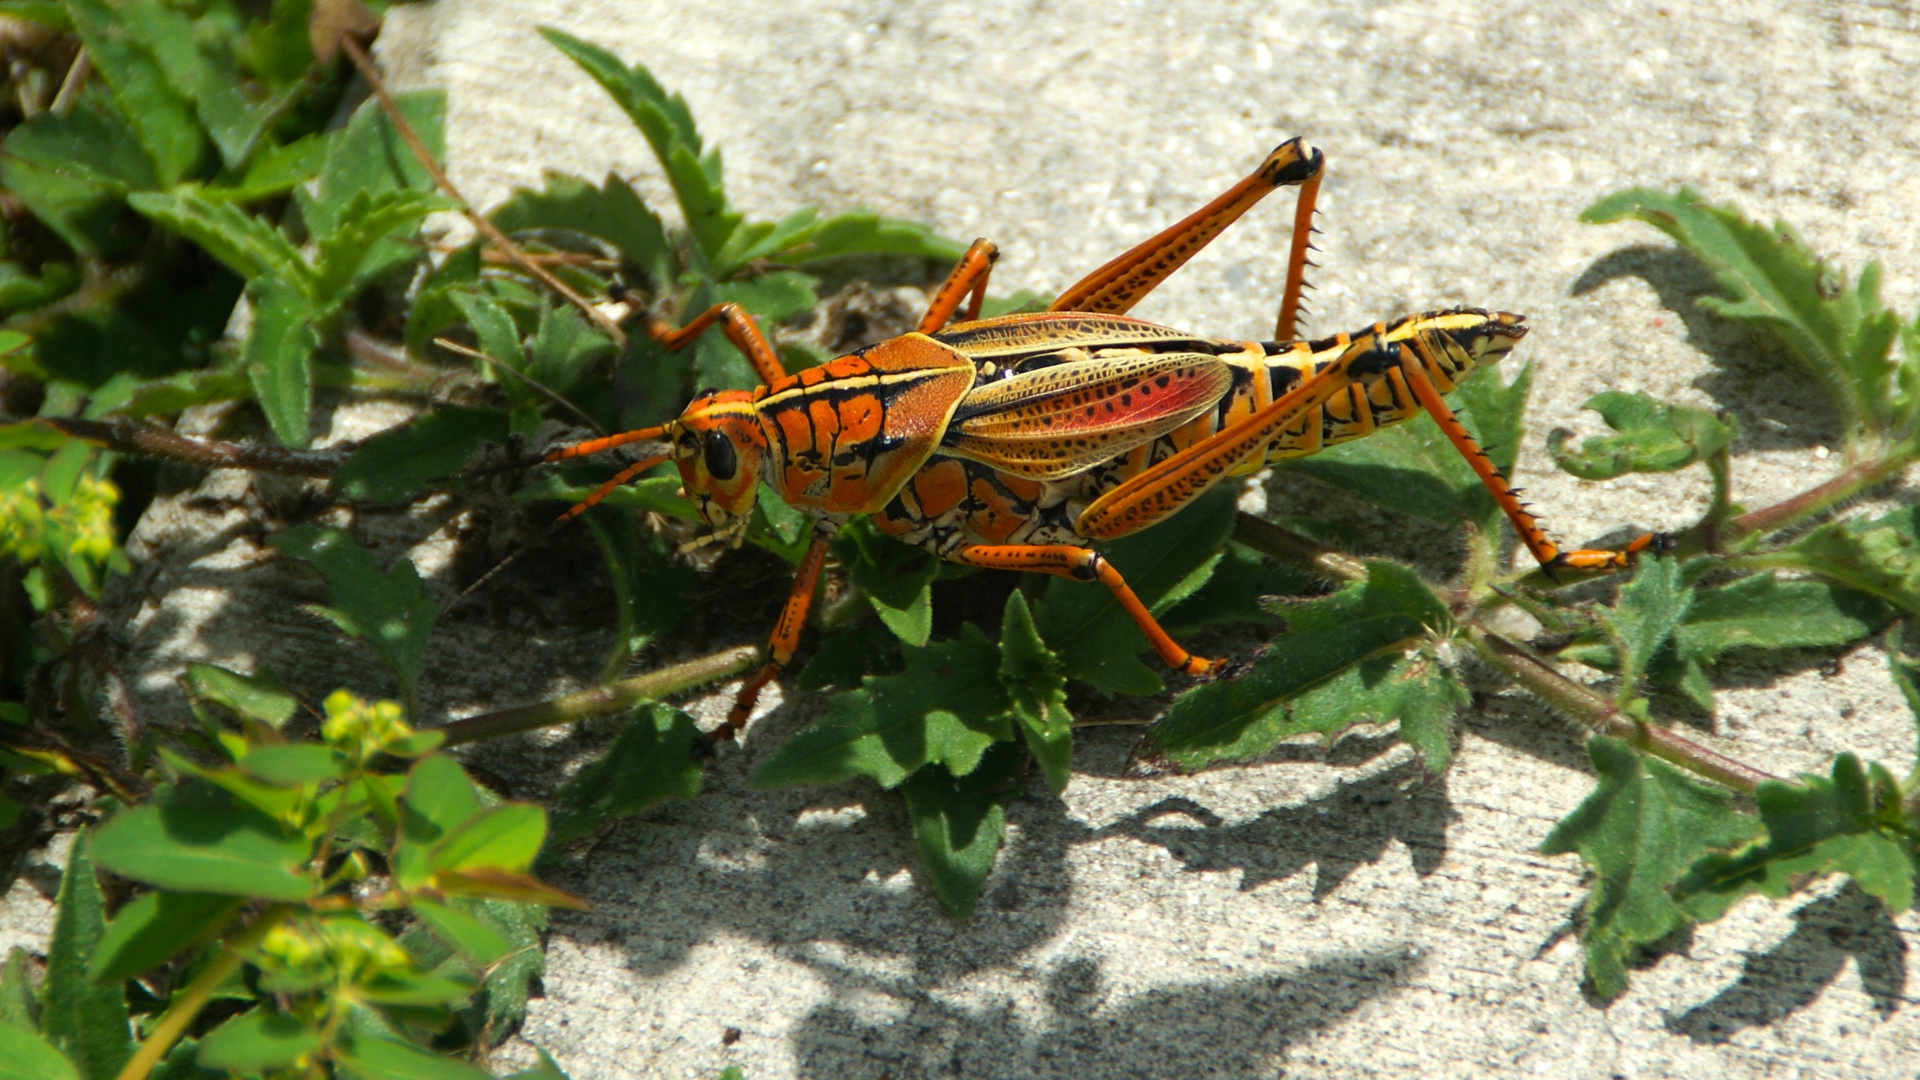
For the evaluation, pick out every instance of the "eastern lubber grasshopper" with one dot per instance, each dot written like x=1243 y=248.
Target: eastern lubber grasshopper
x=1016 y=442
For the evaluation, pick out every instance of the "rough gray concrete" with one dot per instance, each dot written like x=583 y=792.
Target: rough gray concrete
x=1314 y=915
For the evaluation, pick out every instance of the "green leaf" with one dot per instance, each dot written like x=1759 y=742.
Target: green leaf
x=1650 y=608
x=19 y=1001
x=652 y=759
x=394 y=464
x=548 y=1070
x=668 y=126
x=507 y=980
x=123 y=41
x=1418 y=690
x=1236 y=592
x=366 y=241
x=438 y=799
x=613 y=213
x=1879 y=555
x=1095 y=638
x=250 y=246
x=257 y=1041
x=498 y=336
x=897 y=579
x=1412 y=468
x=1037 y=691
x=277 y=170
x=259 y=696
x=388 y=610
x=74 y=172
x=1838 y=331
x=1761 y=611
x=182 y=390
x=24 y=1055
x=369 y=158
x=153 y=928
x=468 y=936
x=959 y=822
x=1849 y=822
x=293 y=765
x=1641 y=828
x=86 y=1022
x=947 y=708
x=503 y=837
x=1651 y=436
x=376 y=1058
x=1240 y=718
x=194 y=837
x=862 y=232
x=278 y=353
x=772 y=297
x=564 y=346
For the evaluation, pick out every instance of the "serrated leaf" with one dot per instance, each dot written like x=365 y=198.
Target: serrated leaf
x=24 y=1055
x=162 y=113
x=613 y=213
x=1095 y=638
x=1650 y=607
x=862 y=232
x=194 y=837
x=499 y=338
x=652 y=759
x=365 y=241
x=946 y=708
x=1838 y=331
x=154 y=927
x=278 y=355
x=1237 y=591
x=1418 y=690
x=1650 y=436
x=1037 y=691
x=897 y=579
x=1243 y=717
x=959 y=822
x=86 y=1022
x=368 y=157
x=1639 y=830
x=74 y=172
x=1761 y=611
x=1412 y=468
x=250 y=246
x=1849 y=822
x=257 y=1041
x=397 y=462
x=1879 y=555
x=259 y=696
x=668 y=126
x=389 y=610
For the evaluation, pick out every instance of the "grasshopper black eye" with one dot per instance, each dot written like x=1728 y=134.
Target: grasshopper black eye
x=722 y=459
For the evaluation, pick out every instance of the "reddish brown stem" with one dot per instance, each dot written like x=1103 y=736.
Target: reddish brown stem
x=131 y=437
x=487 y=228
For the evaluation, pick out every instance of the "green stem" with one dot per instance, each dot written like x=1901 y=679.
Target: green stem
x=603 y=699
x=1290 y=547
x=1599 y=716
x=1850 y=482
x=188 y=1002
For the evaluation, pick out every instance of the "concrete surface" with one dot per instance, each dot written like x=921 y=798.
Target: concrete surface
x=1315 y=915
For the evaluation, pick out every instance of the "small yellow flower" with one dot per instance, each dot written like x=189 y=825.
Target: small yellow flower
x=358 y=728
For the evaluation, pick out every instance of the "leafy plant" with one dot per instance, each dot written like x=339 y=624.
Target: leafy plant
x=354 y=904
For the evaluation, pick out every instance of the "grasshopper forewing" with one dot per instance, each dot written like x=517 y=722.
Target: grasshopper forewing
x=1017 y=442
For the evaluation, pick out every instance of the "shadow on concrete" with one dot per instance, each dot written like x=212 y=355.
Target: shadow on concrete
x=1351 y=827
x=1788 y=977
x=1240 y=1027
x=1754 y=378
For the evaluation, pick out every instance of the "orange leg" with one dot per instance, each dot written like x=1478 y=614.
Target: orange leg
x=739 y=328
x=1084 y=564
x=1525 y=524
x=967 y=281
x=1123 y=282
x=786 y=639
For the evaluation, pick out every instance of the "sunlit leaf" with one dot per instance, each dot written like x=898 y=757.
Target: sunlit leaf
x=82 y=1019
x=154 y=927
x=1640 y=830
x=24 y=1055
x=1650 y=436
x=1849 y=822
x=652 y=759
x=1037 y=691
x=194 y=837
x=256 y=1041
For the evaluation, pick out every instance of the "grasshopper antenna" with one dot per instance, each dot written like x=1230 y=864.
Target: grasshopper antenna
x=592 y=446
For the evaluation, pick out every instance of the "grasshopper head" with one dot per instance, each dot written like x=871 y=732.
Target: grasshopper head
x=718 y=446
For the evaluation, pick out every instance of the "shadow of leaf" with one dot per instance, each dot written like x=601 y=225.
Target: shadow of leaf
x=1787 y=978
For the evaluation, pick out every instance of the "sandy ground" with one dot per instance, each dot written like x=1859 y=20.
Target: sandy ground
x=1315 y=915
